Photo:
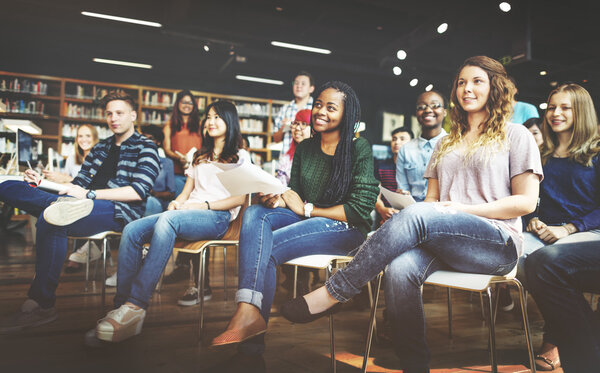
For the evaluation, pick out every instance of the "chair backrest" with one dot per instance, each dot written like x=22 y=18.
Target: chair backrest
x=233 y=232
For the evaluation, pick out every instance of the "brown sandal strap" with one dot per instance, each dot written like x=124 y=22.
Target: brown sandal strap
x=546 y=360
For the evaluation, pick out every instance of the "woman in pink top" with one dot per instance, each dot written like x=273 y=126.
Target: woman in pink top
x=482 y=177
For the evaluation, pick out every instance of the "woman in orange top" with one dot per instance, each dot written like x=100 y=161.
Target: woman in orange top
x=182 y=134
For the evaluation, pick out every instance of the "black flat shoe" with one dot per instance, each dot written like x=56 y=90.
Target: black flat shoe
x=296 y=310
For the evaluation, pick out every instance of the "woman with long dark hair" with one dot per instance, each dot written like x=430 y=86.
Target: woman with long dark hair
x=182 y=134
x=326 y=211
x=202 y=211
x=482 y=177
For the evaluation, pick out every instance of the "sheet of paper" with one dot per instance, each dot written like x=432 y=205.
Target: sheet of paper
x=397 y=200
x=247 y=178
x=46 y=185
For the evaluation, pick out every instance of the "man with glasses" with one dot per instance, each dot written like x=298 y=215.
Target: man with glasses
x=303 y=87
x=414 y=156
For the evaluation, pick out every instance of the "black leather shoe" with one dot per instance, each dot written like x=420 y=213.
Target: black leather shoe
x=296 y=310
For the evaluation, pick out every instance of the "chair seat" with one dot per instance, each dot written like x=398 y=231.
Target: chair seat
x=98 y=236
x=194 y=247
x=318 y=261
x=466 y=281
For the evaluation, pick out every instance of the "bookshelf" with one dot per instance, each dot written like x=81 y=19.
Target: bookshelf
x=59 y=105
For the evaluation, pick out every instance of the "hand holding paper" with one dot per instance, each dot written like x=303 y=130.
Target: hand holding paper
x=247 y=178
x=397 y=200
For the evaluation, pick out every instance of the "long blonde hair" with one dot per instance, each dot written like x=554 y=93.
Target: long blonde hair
x=79 y=153
x=585 y=141
x=498 y=107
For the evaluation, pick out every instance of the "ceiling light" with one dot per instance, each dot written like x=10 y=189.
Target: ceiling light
x=429 y=87
x=300 y=47
x=278 y=8
x=543 y=106
x=414 y=82
x=123 y=63
x=504 y=6
x=206 y=48
x=379 y=28
x=401 y=54
x=397 y=70
x=442 y=28
x=259 y=80
x=553 y=83
x=543 y=72
x=122 y=19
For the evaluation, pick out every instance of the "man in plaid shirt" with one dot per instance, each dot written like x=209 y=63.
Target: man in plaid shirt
x=303 y=87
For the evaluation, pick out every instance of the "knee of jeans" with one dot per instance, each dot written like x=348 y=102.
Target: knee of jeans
x=255 y=212
x=541 y=260
x=403 y=271
x=414 y=211
x=167 y=220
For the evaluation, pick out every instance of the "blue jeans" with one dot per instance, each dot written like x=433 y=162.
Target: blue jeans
x=155 y=205
x=51 y=240
x=557 y=276
x=137 y=278
x=270 y=237
x=414 y=243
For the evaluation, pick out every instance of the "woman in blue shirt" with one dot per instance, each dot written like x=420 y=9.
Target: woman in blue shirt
x=569 y=209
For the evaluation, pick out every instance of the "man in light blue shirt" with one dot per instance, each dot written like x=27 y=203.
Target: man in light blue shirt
x=414 y=156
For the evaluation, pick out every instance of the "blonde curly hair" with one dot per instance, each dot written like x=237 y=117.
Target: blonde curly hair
x=499 y=108
x=584 y=144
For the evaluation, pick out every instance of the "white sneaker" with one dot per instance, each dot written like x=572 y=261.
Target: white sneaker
x=68 y=211
x=120 y=324
x=80 y=256
x=112 y=280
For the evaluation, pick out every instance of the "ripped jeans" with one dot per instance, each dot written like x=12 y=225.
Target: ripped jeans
x=414 y=243
x=270 y=237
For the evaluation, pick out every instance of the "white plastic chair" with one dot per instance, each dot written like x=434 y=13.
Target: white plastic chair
x=476 y=283
x=101 y=236
x=328 y=263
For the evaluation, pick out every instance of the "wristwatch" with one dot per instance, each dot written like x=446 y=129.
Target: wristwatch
x=308 y=207
x=91 y=194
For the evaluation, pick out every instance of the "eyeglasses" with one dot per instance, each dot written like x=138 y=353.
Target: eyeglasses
x=189 y=103
x=432 y=106
x=302 y=125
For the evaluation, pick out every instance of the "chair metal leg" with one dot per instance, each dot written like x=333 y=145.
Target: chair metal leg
x=225 y=270
x=482 y=306
x=371 y=325
x=104 y=250
x=492 y=330
x=87 y=271
x=331 y=334
x=295 y=279
x=449 y=313
x=523 y=301
x=201 y=295
x=371 y=304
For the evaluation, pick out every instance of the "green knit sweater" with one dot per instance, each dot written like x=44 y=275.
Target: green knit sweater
x=311 y=169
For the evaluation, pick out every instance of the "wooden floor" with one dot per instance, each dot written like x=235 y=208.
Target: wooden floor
x=169 y=342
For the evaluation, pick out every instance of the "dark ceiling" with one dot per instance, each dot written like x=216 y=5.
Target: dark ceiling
x=52 y=37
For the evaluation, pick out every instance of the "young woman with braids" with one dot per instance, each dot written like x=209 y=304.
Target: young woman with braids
x=482 y=177
x=202 y=211
x=326 y=211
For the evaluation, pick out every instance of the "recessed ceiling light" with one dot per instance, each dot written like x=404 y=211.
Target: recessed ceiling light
x=259 y=80
x=122 y=19
x=543 y=106
x=401 y=54
x=543 y=72
x=278 y=8
x=206 y=47
x=300 y=47
x=414 y=82
x=553 y=84
x=429 y=87
x=442 y=28
x=397 y=70
x=379 y=28
x=123 y=63
x=504 y=6
x=584 y=81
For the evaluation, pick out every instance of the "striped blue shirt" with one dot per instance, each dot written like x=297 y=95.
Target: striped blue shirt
x=138 y=168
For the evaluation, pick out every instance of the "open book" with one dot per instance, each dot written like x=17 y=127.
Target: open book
x=46 y=185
